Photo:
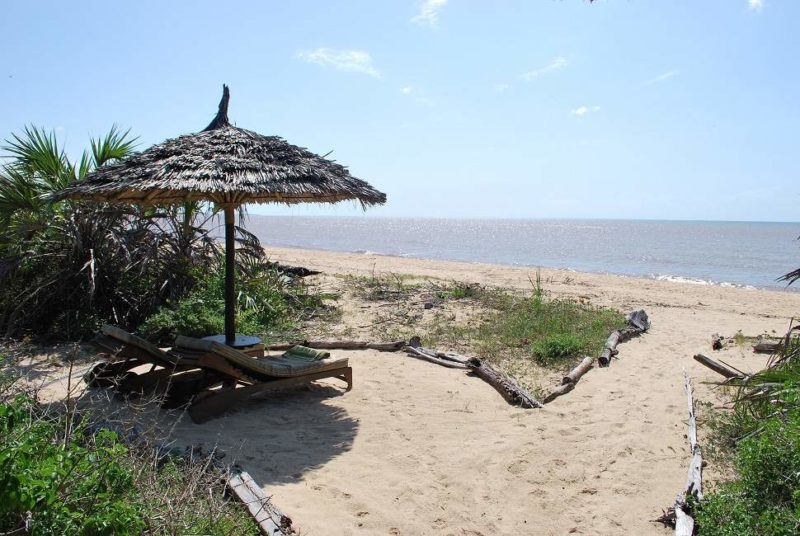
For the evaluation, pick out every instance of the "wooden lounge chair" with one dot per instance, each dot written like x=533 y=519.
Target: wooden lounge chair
x=175 y=378
x=245 y=377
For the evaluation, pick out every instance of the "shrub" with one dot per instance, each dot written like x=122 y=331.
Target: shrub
x=71 y=484
x=557 y=346
x=267 y=303
x=764 y=499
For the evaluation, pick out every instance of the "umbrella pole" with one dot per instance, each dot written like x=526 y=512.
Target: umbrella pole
x=230 y=290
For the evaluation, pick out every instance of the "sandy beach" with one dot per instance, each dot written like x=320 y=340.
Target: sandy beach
x=418 y=449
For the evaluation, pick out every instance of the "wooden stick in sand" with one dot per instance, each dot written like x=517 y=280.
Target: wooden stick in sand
x=718 y=367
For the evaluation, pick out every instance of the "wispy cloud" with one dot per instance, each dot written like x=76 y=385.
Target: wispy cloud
x=428 y=14
x=557 y=64
x=583 y=110
x=662 y=77
x=755 y=5
x=354 y=61
x=418 y=96
x=500 y=87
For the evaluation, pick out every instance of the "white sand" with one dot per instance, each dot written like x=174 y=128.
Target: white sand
x=419 y=449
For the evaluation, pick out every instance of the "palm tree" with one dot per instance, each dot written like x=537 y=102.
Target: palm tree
x=67 y=266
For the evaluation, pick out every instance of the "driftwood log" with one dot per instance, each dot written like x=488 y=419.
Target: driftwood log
x=558 y=391
x=767 y=347
x=270 y=521
x=392 y=346
x=432 y=357
x=684 y=523
x=508 y=388
x=638 y=323
x=576 y=373
x=568 y=382
x=718 y=367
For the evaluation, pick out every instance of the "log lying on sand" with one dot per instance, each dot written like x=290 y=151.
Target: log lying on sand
x=569 y=381
x=508 y=388
x=718 y=367
x=638 y=323
x=269 y=519
x=767 y=347
x=558 y=391
x=392 y=346
x=684 y=523
x=576 y=373
x=432 y=357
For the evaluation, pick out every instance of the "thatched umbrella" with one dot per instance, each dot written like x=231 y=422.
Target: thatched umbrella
x=229 y=166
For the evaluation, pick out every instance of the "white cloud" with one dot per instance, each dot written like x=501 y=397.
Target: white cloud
x=354 y=61
x=755 y=5
x=406 y=90
x=662 y=77
x=500 y=87
x=583 y=110
x=557 y=64
x=429 y=12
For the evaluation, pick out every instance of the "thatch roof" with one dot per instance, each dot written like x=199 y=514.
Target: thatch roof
x=224 y=164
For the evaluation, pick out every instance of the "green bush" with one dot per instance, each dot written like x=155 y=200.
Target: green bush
x=58 y=478
x=267 y=303
x=764 y=499
x=71 y=485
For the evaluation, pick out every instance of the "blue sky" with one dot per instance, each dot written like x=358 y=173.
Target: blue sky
x=455 y=108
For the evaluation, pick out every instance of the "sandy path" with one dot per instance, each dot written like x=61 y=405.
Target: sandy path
x=419 y=449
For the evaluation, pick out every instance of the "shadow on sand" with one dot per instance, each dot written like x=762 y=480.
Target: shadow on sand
x=276 y=439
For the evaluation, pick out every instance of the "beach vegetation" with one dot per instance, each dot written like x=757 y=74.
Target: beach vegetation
x=761 y=438
x=67 y=267
x=549 y=331
x=65 y=471
x=268 y=304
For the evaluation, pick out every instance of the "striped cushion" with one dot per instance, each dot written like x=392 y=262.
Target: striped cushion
x=281 y=367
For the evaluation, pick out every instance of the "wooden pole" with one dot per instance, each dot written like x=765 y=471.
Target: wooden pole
x=230 y=278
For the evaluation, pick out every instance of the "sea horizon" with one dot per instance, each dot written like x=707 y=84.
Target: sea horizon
x=743 y=254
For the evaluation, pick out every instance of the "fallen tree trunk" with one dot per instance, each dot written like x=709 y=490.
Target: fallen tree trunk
x=638 y=323
x=718 y=367
x=684 y=523
x=270 y=521
x=576 y=373
x=392 y=346
x=558 y=391
x=508 y=388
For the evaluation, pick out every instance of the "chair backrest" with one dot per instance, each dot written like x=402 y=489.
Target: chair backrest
x=132 y=340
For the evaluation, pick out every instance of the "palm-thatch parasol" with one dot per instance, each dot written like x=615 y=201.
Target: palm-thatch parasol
x=229 y=166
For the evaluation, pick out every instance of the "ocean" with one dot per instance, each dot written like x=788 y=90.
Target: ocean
x=743 y=254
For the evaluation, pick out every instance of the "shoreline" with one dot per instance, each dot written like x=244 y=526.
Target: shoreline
x=665 y=278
